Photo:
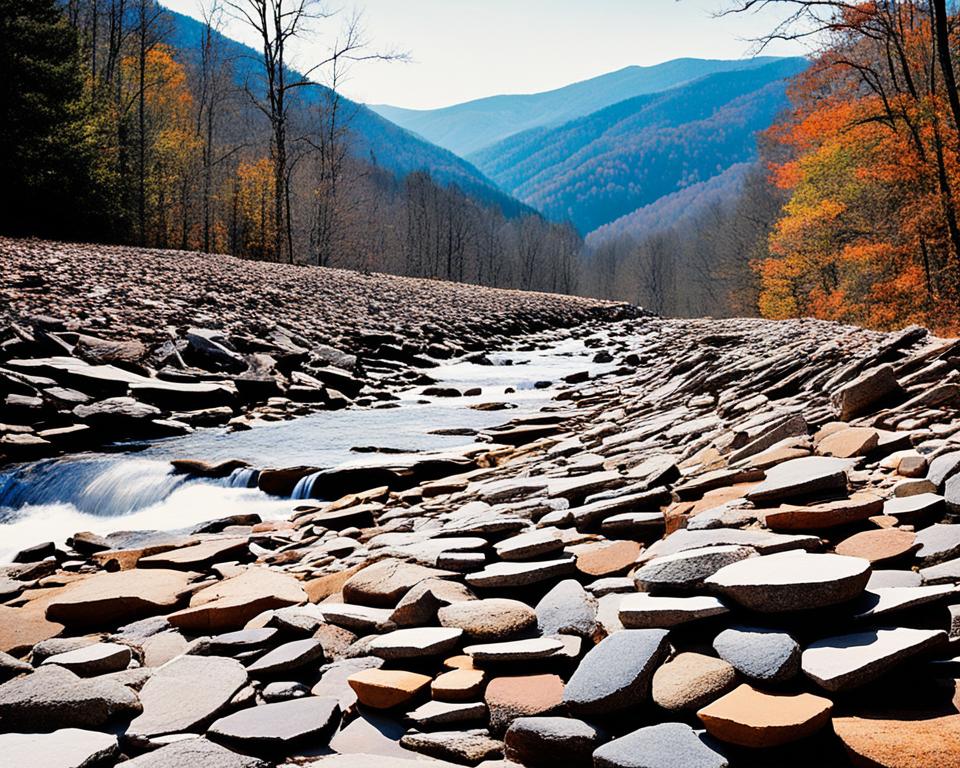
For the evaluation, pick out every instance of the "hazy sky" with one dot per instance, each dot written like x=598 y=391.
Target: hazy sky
x=466 y=49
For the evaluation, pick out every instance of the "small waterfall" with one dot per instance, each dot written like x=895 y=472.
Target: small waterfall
x=304 y=487
x=243 y=477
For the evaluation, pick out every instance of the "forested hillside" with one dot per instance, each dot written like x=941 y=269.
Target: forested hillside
x=473 y=125
x=593 y=170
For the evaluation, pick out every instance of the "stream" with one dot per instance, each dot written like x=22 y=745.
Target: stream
x=134 y=488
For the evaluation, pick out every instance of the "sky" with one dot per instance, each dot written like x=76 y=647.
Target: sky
x=466 y=49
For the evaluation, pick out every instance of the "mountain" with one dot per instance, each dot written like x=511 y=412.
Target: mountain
x=471 y=126
x=595 y=169
x=374 y=137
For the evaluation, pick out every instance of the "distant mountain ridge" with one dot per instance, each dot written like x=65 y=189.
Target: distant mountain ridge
x=593 y=170
x=471 y=126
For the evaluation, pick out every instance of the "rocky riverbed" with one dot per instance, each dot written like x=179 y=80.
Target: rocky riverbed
x=733 y=544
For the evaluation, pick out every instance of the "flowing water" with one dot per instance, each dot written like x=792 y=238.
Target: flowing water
x=136 y=489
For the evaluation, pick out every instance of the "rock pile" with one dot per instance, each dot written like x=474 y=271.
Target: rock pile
x=737 y=548
x=100 y=343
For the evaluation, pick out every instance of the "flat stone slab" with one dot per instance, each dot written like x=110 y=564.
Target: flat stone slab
x=433 y=714
x=667 y=745
x=850 y=442
x=911 y=509
x=508 y=698
x=458 y=685
x=22 y=628
x=414 y=643
x=359 y=618
x=287 y=657
x=53 y=698
x=690 y=680
x=541 y=741
x=194 y=752
x=186 y=694
x=383 y=583
x=943 y=573
x=643 y=611
x=277 y=728
x=524 y=546
x=764 y=542
x=506 y=574
x=91 y=660
x=515 y=650
x=878 y=546
x=803 y=477
x=883 y=600
x=385 y=689
x=616 y=673
x=567 y=609
x=107 y=599
x=198 y=556
x=470 y=747
x=792 y=581
x=687 y=570
x=828 y=514
x=66 y=748
x=491 y=619
x=848 y=661
x=893 y=743
x=881 y=579
x=750 y=718
x=759 y=654
x=937 y=543
x=606 y=558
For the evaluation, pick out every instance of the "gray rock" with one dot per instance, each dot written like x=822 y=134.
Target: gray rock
x=910 y=509
x=11 y=667
x=668 y=745
x=545 y=742
x=951 y=494
x=186 y=693
x=943 y=573
x=515 y=650
x=848 y=661
x=194 y=752
x=764 y=542
x=434 y=714
x=414 y=643
x=505 y=574
x=66 y=748
x=687 y=570
x=286 y=657
x=525 y=546
x=937 y=543
x=283 y=691
x=54 y=697
x=643 y=611
x=333 y=680
x=799 y=478
x=942 y=468
x=469 y=747
x=91 y=660
x=616 y=673
x=792 y=581
x=883 y=600
x=567 y=609
x=883 y=579
x=492 y=619
x=232 y=643
x=759 y=654
x=867 y=390
x=276 y=728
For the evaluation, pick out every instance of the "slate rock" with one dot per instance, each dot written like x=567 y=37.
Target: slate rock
x=278 y=728
x=544 y=742
x=287 y=657
x=434 y=714
x=490 y=619
x=882 y=601
x=415 y=642
x=765 y=655
x=913 y=509
x=469 y=747
x=65 y=748
x=567 y=609
x=938 y=543
x=53 y=697
x=791 y=581
x=690 y=680
x=643 y=611
x=520 y=574
x=616 y=673
x=878 y=546
x=422 y=602
x=383 y=583
x=687 y=570
x=943 y=573
x=803 y=477
x=942 y=468
x=194 y=752
x=667 y=745
x=892 y=578
x=91 y=660
x=864 y=392
x=384 y=689
x=515 y=650
x=827 y=514
x=458 y=685
x=11 y=666
x=508 y=698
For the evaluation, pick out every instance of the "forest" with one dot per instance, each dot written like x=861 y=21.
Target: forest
x=118 y=128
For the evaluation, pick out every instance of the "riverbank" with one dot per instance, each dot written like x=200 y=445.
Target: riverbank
x=101 y=343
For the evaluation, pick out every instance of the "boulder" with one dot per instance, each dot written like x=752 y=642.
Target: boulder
x=764 y=655
x=691 y=680
x=384 y=583
x=869 y=389
x=544 y=742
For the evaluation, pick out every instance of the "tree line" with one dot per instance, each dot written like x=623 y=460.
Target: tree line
x=114 y=128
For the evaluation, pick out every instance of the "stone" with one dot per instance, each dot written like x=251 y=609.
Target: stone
x=420 y=605
x=942 y=573
x=881 y=601
x=938 y=543
x=434 y=714
x=689 y=569
x=643 y=611
x=892 y=578
x=107 y=599
x=65 y=748
x=667 y=745
x=567 y=609
x=186 y=694
x=385 y=689
x=526 y=546
x=764 y=542
x=848 y=443
x=11 y=667
x=194 y=752
x=382 y=584
x=691 y=680
x=828 y=514
x=888 y=742
x=491 y=619
x=91 y=660
x=504 y=574
x=544 y=742
x=608 y=558
x=616 y=673
x=469 y=747
x=335 y=679
x=231 y=603
x=849 y=661
x=942 y=468
x=359 y=618
x=231 y=643
x=508 y=698
x=414 y=643
x=53 y=697
x=158 y=649
x=913 y=509
x=866 y=391
x=515 y=650
x=198 y=556
x=750 y=718
x=458 y=685
x=878 y=546
x=287 y=657
x=807 y=476
x=764 y=655
x=278 y=728
x=791 y=581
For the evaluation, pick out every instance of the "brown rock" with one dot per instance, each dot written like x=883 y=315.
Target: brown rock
x=384 y=583
x=322 y=587
x=892 y=743
x=493 y=619
x=607 y=558
x=385 y=689
x=458 y=685
x=508 y=698
x=878 y=546
x=847 y=443
x=691 y=680
x=198 y=556
x=750 y=718
x=22 y=628
x=791 y=517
